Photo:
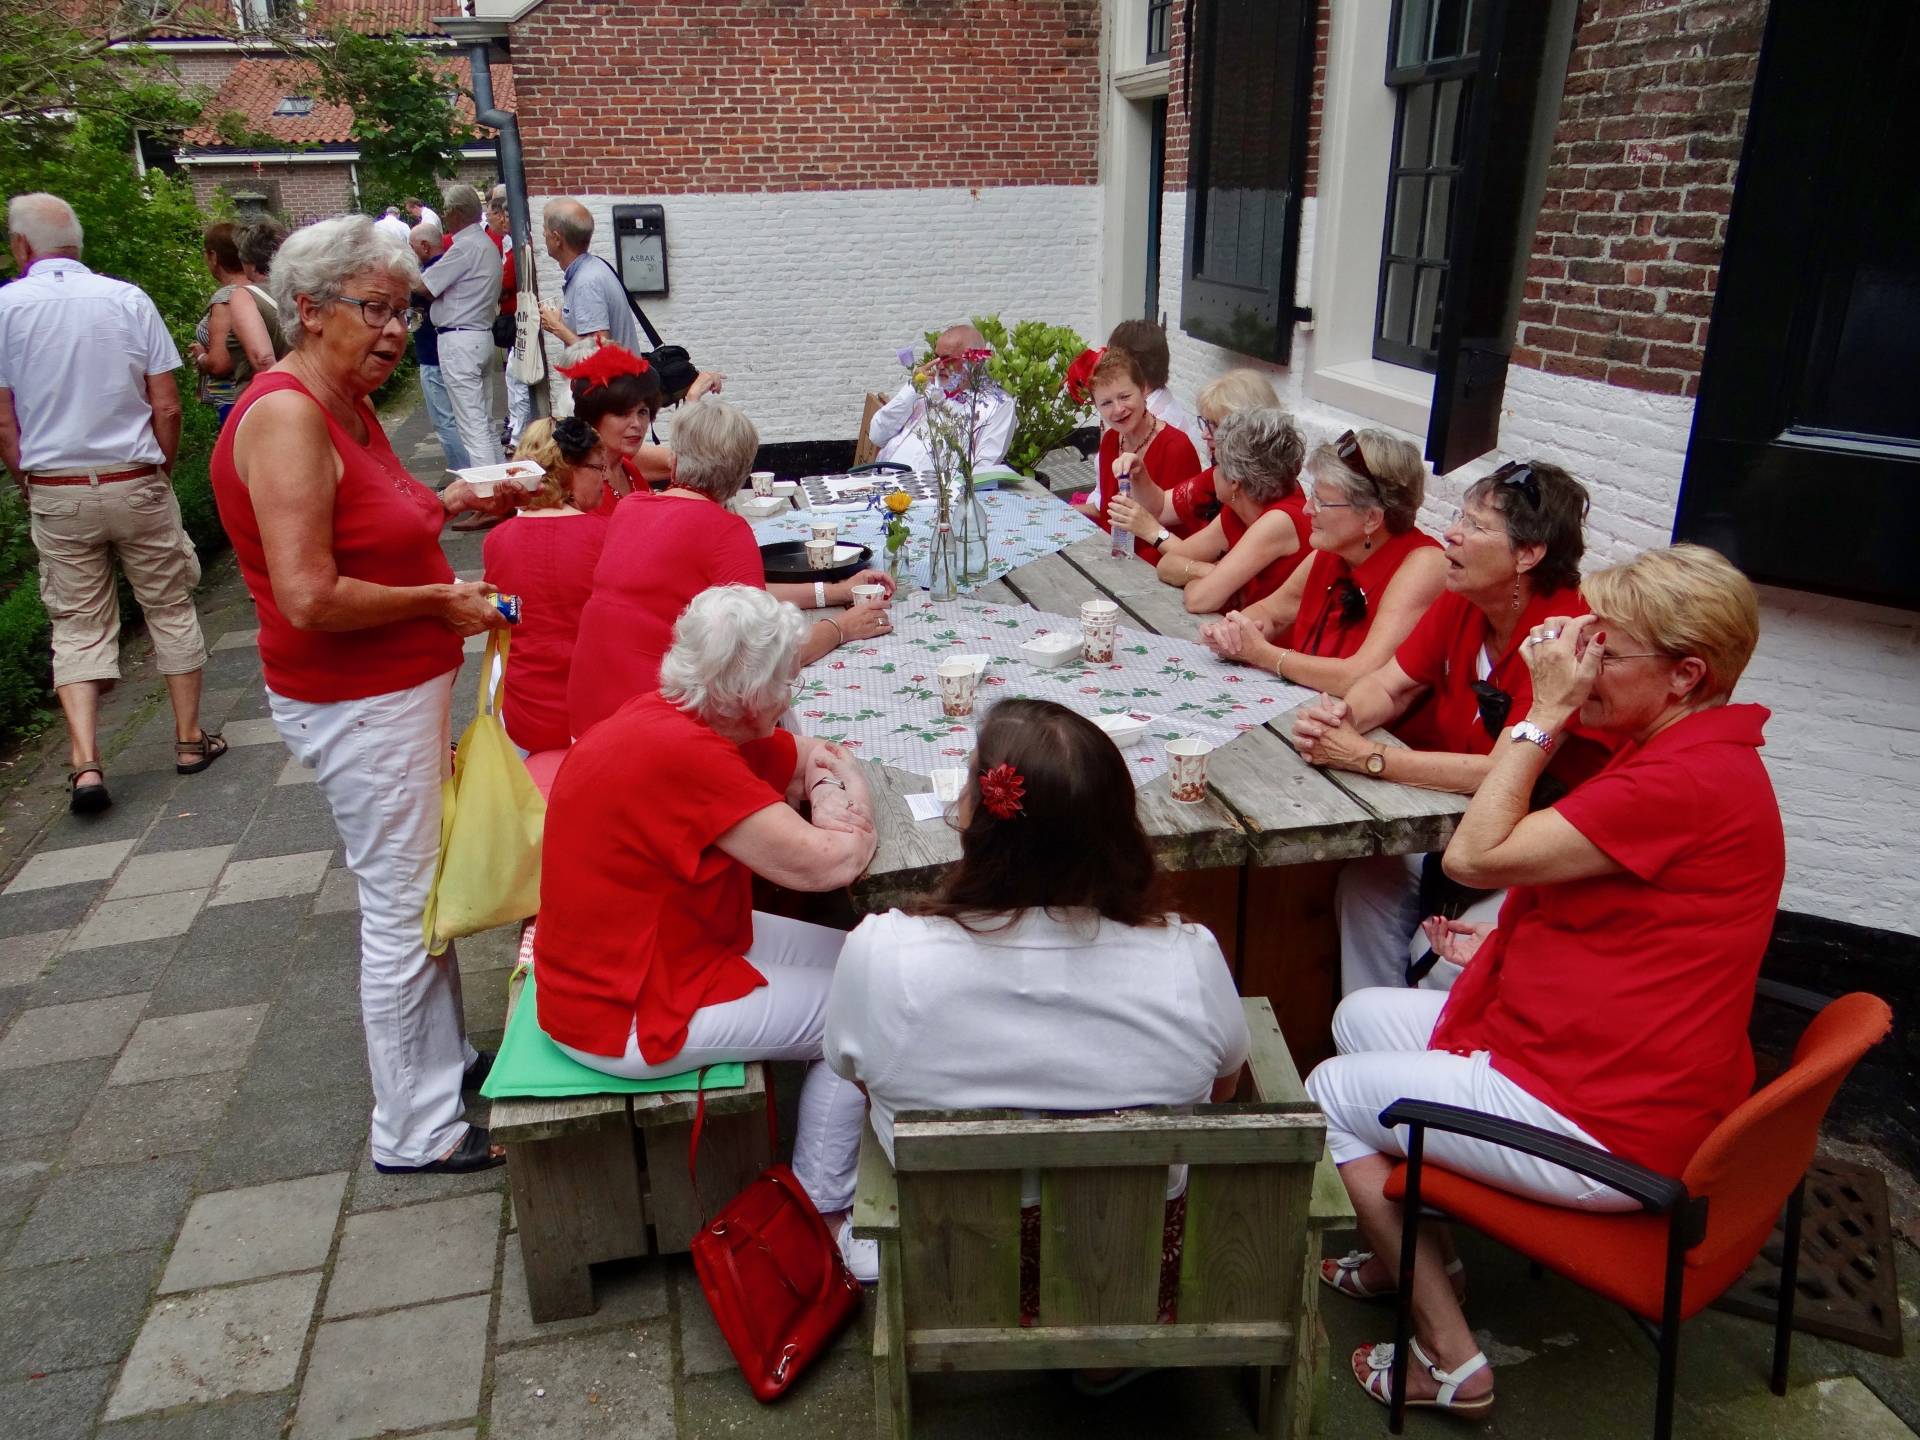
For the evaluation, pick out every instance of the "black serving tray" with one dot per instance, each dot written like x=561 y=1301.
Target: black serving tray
x=786 y=563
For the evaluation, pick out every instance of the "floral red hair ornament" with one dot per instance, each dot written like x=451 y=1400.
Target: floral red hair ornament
x=606 y=363
x=1001 y=790
x=1080 y=371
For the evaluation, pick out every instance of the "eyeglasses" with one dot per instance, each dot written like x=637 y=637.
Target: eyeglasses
x=1207 y=427
x=378 y=312
x=1462 y=520
x=1313 y=504
x=1495 y=706
x=1606 y=660
x=1519 y=475
x=1347 y=447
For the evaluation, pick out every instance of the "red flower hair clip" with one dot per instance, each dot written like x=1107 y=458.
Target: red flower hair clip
x=1001 y=790
x=1080 y=371
x=605 y=364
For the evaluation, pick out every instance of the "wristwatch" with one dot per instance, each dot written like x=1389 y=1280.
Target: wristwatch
x=1377 y=761
x=1162 y=538
x=1533 y=735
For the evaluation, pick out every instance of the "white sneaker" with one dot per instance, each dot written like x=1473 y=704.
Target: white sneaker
x=862 y=1256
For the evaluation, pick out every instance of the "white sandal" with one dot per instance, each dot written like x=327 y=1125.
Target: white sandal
x=1344 y=1275
x=1378 y=1381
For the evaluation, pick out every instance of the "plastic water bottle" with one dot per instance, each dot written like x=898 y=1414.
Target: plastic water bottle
x=1122 y=537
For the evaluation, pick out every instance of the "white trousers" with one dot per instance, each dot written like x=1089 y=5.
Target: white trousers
x=433 y=394
x=1382 y=1036
x=783 y=1019
x=519 y=403
x=466 y=364
x=380 y=763
x=1377 y=902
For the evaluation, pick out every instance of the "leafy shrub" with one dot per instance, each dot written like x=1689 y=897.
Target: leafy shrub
x=1030 y=364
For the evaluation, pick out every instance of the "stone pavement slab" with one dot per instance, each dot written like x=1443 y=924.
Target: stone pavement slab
x=233 y=955
x=251 y=732
x=37 y=911
x=25 y=1167
x=243 y=1340
x=422 y=1252
x=294 y=773
x=147 y=917
x=48 y=1098
x=260 y=1230
x=236 y=640
x=81 y=1031
x=197 y=1044
x=54 y=1407
x=127 y=1123
x=261 y=1139
x=23 y=958
x=69 y=867
x=272 y=877
x=404 y=1370
x=339 y=893
x=168 y=870
x=374 y=1191
x=294 y=819
x=100 y=1211
x=624 y=1291
x=243 y=1417
x=615 y=1384
x=137 y=799
x=110 y=970
x=60 y=1317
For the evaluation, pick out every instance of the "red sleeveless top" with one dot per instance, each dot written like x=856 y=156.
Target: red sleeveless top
x=1294 y=507
x=1330 y=622
x=386 y=531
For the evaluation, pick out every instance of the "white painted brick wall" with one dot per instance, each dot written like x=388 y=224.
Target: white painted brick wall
x=1843 y=679
x=801 y=298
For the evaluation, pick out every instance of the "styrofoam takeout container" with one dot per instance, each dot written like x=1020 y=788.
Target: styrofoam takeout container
x=1055 y=648
x=515 y=474
x=1124 y=727
x=760 y=507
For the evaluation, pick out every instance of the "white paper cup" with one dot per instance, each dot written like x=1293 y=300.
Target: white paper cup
x=820 y=553
x=762 y=483
x=1098 y=620
x=869 y=594
x=958 y=681
x=1187 y=763
x=824 y=530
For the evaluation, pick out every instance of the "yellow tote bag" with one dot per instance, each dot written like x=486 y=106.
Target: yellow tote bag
x=491 y=820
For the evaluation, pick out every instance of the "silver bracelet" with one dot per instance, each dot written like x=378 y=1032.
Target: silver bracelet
x=827 y=780
x=840 y=636
x=819 y=595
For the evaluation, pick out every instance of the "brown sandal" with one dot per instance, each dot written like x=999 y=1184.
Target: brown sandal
x=209 y=747
x=87 y=799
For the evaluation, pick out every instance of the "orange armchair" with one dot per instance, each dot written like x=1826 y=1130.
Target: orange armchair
x=1693 y=1236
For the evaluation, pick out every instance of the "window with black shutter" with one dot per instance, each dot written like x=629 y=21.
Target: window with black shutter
x=1251 y=79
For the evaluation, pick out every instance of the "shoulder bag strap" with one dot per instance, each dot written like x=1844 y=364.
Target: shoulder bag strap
x=700 y=1123
x=653 y=335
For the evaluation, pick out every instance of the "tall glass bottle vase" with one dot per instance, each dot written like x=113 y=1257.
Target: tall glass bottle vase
x=974 y=551
x=943 y=563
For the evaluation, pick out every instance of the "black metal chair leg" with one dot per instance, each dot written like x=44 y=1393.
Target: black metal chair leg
x=1677 y=1238
x=1403 y=1306
x=1789 y=1277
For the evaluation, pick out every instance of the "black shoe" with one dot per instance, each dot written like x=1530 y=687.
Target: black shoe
x=474 y=1152
x=87 y=799
x=476 y=1074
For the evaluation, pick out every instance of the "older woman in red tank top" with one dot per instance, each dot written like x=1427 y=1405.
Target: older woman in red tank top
x=361 y=621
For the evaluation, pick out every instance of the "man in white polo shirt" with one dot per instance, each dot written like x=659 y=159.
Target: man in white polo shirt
x=89 y=427
x=465 y=284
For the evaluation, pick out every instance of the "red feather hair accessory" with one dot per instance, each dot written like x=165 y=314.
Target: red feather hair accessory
x=1080 y=371
x=1001 y=790
x=604 y=364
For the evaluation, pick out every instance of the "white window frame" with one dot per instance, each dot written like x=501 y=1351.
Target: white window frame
x=1126 y=146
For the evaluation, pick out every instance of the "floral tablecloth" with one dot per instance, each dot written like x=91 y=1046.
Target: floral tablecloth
x=881 y=699
x=1021 y=526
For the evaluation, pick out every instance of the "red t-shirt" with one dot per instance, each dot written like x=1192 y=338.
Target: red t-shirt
x=548 y=562
x=643 y=919
x=386 y=531
x=1170 y=459
x=1275 y=575
x=1194 y=504
x=1321 y=626
x=1623 y=1001
x=660 y=552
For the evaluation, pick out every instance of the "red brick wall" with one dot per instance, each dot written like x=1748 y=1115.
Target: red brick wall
x=300 y=192
x=747 y=95
x=1620 y=286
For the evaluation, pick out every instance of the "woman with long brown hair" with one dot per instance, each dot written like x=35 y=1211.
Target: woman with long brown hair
x=1041 y=975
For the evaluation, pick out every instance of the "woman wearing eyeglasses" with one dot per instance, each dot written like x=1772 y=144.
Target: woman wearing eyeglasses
x=1371 y=577
x=547 y=555
x=361 y=621
x=1512 y=559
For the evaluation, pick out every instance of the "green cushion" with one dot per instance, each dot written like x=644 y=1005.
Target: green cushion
x=531 y=1064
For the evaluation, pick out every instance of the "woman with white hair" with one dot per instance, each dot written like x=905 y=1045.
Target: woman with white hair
x=651 y=958
x=361 y=621
x=662 y=550
x=1248 y=550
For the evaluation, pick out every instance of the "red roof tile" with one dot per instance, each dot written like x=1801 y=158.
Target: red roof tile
x=255 y=87
x=369 y=17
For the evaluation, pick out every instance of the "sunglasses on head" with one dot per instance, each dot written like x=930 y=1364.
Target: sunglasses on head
x=1519 y=475
x=1347 y=447
x=1495 y=706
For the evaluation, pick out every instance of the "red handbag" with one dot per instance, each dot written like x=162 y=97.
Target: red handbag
x=772 y=1274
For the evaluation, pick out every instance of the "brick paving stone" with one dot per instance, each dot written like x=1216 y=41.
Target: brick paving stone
x=54 y=1407
x=294 y=819
x=262 y=1139
x=80 y=1031
x=423 y=1252
x=127 y=1123
x=104 y=1210
x=270 y=878
x=69 y=867
x=49 y=1098
x=237 y=640
x=257 y=1231
x=147 y=917
x=110 y=970
x=197 y=1044
x=23 y=958
x=60 y=1317
x=194 y=1348
x=586 y=1387
x=406 y=1369
x=25 y=1166
x=169 y=870
x=625 y=1291
x=34 y=912
x=339 y=893
x=251 y=732
x=243 y=1417
x=233 y=955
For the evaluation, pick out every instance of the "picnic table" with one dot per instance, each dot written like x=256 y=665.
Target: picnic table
x=1255 y=860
